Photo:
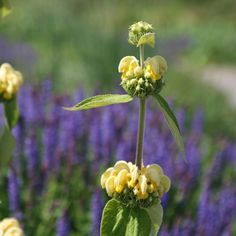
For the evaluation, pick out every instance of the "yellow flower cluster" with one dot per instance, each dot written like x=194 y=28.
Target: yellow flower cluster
x=154 y=68
x=10 y=227
x=10 y=81
x=148 y=180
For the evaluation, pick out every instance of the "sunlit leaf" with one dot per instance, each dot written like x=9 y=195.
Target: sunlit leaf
x=100 y=101
x=119 y=220
x=155 y=213
x=172 y=122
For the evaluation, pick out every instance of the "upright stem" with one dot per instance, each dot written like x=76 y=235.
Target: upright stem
x=141 y=123
x=141 y=127
x=141 y=51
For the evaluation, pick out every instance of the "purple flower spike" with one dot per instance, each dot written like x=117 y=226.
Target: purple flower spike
x=63 y=225
x=13 y=192
x=96 y=207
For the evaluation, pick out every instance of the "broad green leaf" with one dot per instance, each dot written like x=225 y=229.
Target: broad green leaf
x=100 y=101
x=5 y=8
x=148 y=38
x=11 y=112
x=119 y=220
x=7 y=145
x=172 y=122
x=139 y=223
x=155 y=213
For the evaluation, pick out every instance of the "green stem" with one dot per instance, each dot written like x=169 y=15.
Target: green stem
x=141 y=127
x=141 y=50
x=141 y=123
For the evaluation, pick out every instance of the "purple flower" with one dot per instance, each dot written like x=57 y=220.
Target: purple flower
x=63 y=225
x=97 y=205
x=13 y=192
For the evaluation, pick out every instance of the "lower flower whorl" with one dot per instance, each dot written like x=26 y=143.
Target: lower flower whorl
x=135 y=187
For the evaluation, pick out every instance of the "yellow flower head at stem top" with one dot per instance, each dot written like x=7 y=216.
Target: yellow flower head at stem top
x=141 y=33
x=125 y=180
x=10 y=227
x=10 y=81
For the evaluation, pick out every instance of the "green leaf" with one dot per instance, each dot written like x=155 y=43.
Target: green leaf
x=100 y=101
x=172 y=122
x=155 y=213
x=119 y=220
x=148 y=38
x=11 y=112
x=5 y=8
x=7 y=144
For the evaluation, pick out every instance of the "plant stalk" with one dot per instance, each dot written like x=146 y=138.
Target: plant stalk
x=141 y=123
x=141 y=128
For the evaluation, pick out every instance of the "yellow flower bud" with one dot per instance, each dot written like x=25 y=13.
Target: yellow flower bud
x=134 y=177
x=165 y=182
x=105 y=176
x=120 y=165
x=122 y=178
x=127 y=66
x=143 y=183
x=154 y=172
x=10 y=227
x=10 y=81
x=110 y=185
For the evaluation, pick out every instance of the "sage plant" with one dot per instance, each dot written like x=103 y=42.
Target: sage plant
x=136 y=190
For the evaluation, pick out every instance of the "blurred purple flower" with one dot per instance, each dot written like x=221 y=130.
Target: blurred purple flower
x=63 y=225
x=97 y=205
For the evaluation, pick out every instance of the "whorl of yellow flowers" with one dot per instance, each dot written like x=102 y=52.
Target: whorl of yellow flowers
x=10 y=227
x=10 y=81
x=149 y=181
x=154 y=68
x=138 y=81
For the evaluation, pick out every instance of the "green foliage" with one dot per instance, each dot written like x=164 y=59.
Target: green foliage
x=172 y=122
x=100 y=101
x=7 y=144
x=11 y=112
x=5 y=8
x=155 y=213
x=119 y=220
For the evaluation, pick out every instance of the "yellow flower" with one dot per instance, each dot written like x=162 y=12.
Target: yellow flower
x=127 y=66
x=10 y=227
x=148 y=180
x=150 y=72
x=110 y=185
x=155 y=173
x=105 y=176
x=155 y=67
x=10 y=81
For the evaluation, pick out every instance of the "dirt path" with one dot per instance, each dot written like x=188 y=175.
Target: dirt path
x=223 y=79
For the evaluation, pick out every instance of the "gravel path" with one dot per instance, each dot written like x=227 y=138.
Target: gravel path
x=223 y=79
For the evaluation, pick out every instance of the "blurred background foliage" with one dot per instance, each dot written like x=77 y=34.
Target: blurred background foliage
x=77 y=45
